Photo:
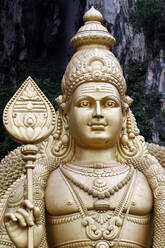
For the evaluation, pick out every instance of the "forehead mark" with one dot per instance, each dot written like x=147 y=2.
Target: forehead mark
x=99 y=88
x=103 y=89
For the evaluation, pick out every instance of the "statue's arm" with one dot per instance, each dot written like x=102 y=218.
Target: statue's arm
x=159 y=195
x=155 y=175
x=158 y=152
x=159 y=222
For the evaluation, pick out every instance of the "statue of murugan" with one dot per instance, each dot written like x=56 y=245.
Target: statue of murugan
x=92 y=180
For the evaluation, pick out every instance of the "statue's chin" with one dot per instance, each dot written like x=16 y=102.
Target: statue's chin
x=98 y=142
x=96 y=139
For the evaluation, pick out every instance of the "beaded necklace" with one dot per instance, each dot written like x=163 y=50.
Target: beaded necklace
x=93 y=172
x=99 y=189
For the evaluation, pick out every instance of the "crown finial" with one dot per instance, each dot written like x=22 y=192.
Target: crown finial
x=93 y=32
x=92 y=61
x=92 y=15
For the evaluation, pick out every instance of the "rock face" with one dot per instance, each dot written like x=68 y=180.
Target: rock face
x=13 y=47
x=35 y=31
x=130 y=46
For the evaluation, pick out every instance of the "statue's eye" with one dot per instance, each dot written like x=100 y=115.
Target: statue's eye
x=84 y=103
x=110 y=104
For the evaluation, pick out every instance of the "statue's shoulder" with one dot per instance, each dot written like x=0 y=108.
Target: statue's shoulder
x=142 y=184
x=56 y=179
x=44 y=167
x=142 y=195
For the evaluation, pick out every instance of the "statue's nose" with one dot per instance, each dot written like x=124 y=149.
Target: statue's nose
x=97 y=113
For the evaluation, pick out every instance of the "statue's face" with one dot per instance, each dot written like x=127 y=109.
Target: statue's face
x=95 y=115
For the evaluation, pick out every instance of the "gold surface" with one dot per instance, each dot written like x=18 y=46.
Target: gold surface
x=95 y=183
x=29 y=117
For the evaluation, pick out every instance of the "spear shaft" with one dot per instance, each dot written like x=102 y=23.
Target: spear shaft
x=29 y=156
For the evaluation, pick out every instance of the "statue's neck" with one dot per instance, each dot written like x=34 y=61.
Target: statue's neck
x=97 y=155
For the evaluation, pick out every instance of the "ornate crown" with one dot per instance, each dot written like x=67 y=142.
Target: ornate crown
x=93 y=61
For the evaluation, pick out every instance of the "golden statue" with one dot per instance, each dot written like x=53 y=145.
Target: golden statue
x=92 y=181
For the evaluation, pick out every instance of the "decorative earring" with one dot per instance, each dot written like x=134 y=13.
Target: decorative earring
x=60 y=144
x=61 y=135
x=130 y=144
x=124 y=136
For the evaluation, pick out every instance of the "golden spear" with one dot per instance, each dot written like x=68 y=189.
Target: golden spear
x=29 y=118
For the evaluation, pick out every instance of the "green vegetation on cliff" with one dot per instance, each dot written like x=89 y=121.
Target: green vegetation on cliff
x=144 y=106
x=149 y=16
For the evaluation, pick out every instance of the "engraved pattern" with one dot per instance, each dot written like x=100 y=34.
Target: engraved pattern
x=11 y=168
x=159 y=222
x=158 y=152
x=29 y=116
x=108 y=233
x=78 y=71
x=143 y=220
x=83 y=243
x=101 y=216
x=79 y=244
x=101 y=244
x=64 y=219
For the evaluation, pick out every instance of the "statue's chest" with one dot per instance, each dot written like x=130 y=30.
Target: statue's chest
x=68 y=192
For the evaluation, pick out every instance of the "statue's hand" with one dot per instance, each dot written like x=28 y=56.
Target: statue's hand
x=151 y=168
x=17 y=225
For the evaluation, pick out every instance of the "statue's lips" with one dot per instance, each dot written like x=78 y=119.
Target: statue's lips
x=98 y=127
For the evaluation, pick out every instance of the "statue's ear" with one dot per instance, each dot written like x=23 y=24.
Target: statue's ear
x=125 y=110
x=124 y=120
x=124 y=124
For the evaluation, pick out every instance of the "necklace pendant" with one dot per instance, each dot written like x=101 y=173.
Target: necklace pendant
x=99 y=184
x=99 y=187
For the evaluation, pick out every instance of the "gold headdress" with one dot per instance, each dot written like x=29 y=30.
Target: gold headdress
x=93 y=61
